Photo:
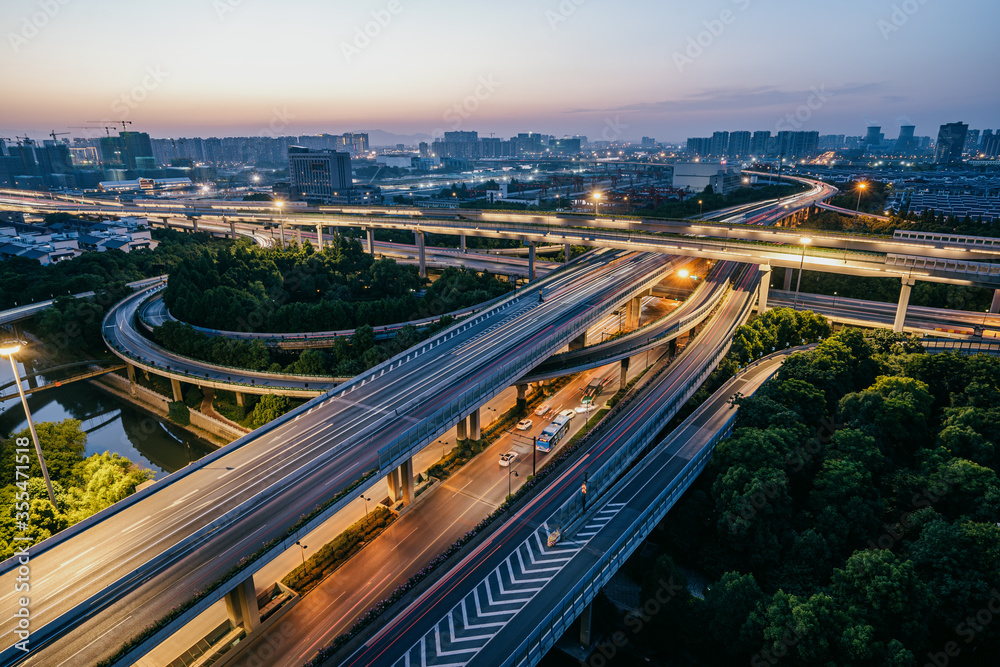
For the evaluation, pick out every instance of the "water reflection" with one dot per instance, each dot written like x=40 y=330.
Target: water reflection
x=111 y=424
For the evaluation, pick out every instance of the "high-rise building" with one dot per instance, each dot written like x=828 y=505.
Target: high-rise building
x=324 y=175
x=950 y=143
x=831 y=142
x=971 y=141
x=699 y=146
x=990 y=146
x=648 y=142
x=794 y=145
x=760 y=143
x=565 y=146
x=906 y=142
x=719 y=145
x=424 y=149
x=739 y=144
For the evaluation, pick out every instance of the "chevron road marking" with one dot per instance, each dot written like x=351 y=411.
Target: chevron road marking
x=496 y=600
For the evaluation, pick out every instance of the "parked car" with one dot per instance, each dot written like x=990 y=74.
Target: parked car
x=507 y=459
x=542 y=410
x=524 y=424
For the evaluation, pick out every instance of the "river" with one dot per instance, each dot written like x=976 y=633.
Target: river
x=112 y=425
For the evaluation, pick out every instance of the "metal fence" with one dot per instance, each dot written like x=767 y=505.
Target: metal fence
x=939 y=345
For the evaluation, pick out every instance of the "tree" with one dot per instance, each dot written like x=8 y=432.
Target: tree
x=269 y=408
x=729 y=603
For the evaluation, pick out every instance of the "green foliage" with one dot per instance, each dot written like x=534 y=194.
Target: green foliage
x=82 y=486
x=179 y=413
x=194 y=397
x=862 y=540
x=269 y=408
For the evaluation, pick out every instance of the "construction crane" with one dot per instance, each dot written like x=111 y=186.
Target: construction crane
x=107 y=128
x=123 y=122
x=55 y=134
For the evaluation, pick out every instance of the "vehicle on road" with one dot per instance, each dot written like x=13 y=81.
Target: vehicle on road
x=553 y=433
x=524 y=424
x=542 y=410
x=507 y=459
x=567 y=413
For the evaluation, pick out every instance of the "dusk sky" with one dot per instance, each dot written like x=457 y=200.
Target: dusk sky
x=606 y=69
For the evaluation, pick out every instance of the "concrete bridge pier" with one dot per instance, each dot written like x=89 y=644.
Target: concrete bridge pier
x=578 y=343
x=522 y=395
x=995 y=306
x=319 y=237
x=531 y=260
x=632 y=313
x=419 y=239
x=194 y=225
x=400 y=483
x=764 y=289
x=241 y=605
x=281 y=234
x=788 y=279
x=392 y=481
x=176 y=386
x=166 y=223
x=461 y=243
x=29 y=371
x=624 y=377
x=567 y=251
x=371 y=241
x=586 y=622
x=241 y=398
x=131 y=377
x=462 y=430
x=232 y=230
x=475 y=433
x=904 y=302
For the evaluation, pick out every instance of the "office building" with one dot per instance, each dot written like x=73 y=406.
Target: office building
x=321 y=175
x=565 y=146
x=950 y=143
x=648 y=142
x=971 y=142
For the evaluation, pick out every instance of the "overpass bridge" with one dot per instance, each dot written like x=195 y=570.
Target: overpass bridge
x=235 y=508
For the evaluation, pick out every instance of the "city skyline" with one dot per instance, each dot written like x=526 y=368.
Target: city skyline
x=234 y=68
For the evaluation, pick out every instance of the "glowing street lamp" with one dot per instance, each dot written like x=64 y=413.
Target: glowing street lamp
x=701 y=207
x=8 y=349
x=805 y=242
x=684 y=273
x=861 y=188
x=597 y=202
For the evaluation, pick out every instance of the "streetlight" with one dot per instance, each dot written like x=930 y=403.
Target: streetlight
x=8 y=349
x=509 y=473
x=834 y=299
x=597 y=203
x=281 y=222
x=862 y=186
x=362 y=496
x=303 y=547
x=701 y=208
x=805 y=242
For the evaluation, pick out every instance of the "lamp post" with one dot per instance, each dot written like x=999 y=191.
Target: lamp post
x=805 y=242
x=701 y=207
x=9 y=349
x=303 y=547
x=281 y=222
x=362 y=496
x=834 y=299
x=509 y=473
x=861 y=188
x=597 y=203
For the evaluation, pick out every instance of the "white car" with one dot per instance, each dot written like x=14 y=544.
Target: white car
x=568 y=413
x=507 y=459
x=583 y=408
x=542 y=410
x=524 y=424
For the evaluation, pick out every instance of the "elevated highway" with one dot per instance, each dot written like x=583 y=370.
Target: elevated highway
x=128 y=566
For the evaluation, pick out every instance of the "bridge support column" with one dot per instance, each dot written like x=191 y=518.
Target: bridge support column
x=531 y=260
x=176 y=386
x=194 y=225
x=788 y=279
x=241 y=398
x=166 y=223
x=462 y=429
x=131 y=378
x=461 y=243
x=419 y=240
x=241 y=604
x=764 y=289
x=406 y=472
x=232 y=230
x=633 y=313
x=586 y=619
x=624 y=378
x=319 y=237
x=29 y=371
x=567 y=251
x=522 y=395
x=371 y=241
x=578 y=343
x=392 y=480
x=995 y=306
x=281 y=235
x=474 y=431
x=904 y=302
